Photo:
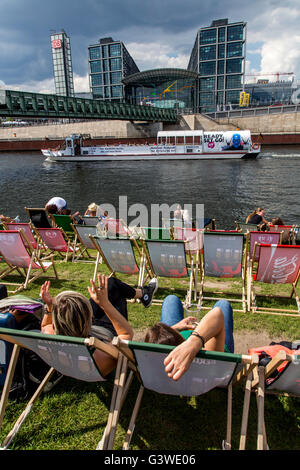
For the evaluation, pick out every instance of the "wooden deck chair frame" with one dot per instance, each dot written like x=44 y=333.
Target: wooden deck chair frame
x=242 y=275
x=81 y=350
x=41 y=210
x=144 y=271
x=192 y=294
x=33 y=261
x=256 y=382
x=251 y=294
x=70 y=245
x=149 y=379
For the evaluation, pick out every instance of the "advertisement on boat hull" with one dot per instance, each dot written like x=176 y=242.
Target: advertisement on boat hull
x=226 y=141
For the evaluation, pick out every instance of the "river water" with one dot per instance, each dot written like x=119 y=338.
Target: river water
x=229 y=189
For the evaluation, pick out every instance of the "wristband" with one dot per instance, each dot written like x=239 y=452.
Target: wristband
x=194 y=333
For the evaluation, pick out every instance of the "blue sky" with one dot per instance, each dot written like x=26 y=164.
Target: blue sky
x=157 y=33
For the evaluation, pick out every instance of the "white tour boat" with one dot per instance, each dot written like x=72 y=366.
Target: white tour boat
x=170 y=145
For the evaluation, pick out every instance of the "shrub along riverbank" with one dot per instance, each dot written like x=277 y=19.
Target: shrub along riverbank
x=73 y=415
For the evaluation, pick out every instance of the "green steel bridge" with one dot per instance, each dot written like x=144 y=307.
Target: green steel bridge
x=37 y=105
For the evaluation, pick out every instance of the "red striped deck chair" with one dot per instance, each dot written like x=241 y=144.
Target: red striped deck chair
x=277 y=264
x=19 y=255
x=116 y=228
x=223 y=258
x=56 y=241
x=288 y=232
x=26 y=227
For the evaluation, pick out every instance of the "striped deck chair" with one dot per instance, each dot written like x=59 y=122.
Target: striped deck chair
x=39 y=217
x=223 y=258
x=288 y=232
x=64 y=222
x=261 y=381
x=57 y=242
x=244 y=228
x=277 y=264
x=26 y=227
x=71 y=357
x=90 y=220
x=168 y=259
x=152 y=233
x=115 y=228
x=19 y=255
x=208 y=371
x=120 y=257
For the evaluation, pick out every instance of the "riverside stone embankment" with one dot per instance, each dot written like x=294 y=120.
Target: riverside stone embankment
x=269 y=129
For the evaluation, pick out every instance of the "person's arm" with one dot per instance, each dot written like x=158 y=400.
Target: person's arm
x=46 y=325
x=209 y=332
x=187 y=323
x=100 y=296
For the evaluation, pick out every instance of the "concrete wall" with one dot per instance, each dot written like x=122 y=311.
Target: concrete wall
x=287 y=123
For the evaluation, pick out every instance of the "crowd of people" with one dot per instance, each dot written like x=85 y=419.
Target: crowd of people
x=104 y=314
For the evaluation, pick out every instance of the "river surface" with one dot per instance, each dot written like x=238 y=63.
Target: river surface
x=228 y=189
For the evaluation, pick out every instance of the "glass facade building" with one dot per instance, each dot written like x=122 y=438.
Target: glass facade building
x=109 y=63
x=62 y=64
x=265 y=93
x=218 y=56
x=163 y=88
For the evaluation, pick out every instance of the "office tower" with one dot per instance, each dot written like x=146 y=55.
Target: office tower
x=109 y=63
x=218 y=56
x=62 y=64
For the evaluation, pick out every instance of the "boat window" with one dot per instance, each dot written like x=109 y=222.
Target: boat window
x=189 y=139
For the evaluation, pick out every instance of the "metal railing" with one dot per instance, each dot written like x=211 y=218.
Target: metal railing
x=258 y=111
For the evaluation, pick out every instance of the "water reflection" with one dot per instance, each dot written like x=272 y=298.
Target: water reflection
x=229 y=189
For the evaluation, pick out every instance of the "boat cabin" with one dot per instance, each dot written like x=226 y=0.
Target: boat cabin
x=180 y=138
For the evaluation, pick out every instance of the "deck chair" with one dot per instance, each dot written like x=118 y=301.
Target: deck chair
x=119 y=257
x=82 y=234
x=115 y=228
x=208 y=370
x=152 y=233
x=39 y=217
x=244 y=228
x=286 y=383
x=90 y=220
x=26 y=227
x=72 y=357
x=168 y=259
x=223 y=258
x=277 y=264
x=19 y=255
x=288 y=232
x=64 y=222
x=57 y=242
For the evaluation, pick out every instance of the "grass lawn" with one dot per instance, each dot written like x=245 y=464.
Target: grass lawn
x=73 y=415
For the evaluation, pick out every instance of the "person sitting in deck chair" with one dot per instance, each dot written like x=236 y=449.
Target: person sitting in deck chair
x=103 y=316
x=214 y=332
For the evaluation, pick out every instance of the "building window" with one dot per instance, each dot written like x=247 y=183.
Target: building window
x=105 y=51
x=106 y=65
x=234 y=66
x=235 y=49
x=115 y=77
x=116 y=91
x=207 y=52
x=221 y=82
x=221 y=51
x=233 y=81
x=221 y=34
x=98 y=92
x=208 y=68
x=115 y=64
x=235 y=33
x=233 y=97
x=220 y=97
x=96 y=79
x=221 y=67
x=207 y=99
x=114 y=50
x=107 y=92
x=95 y=53
x=207 y=83
x=96 y=66
x=208 y=36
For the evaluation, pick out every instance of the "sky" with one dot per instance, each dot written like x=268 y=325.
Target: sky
x=157 y=33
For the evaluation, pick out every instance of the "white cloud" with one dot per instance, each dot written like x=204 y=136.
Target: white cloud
x=156 y=55
x=81 y=84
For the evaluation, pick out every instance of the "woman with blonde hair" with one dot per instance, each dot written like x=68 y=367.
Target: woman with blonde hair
x=71 y=314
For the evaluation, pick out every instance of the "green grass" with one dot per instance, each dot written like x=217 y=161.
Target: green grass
x=73 y=415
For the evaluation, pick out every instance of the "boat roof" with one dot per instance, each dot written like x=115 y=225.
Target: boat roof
x=178 y=133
